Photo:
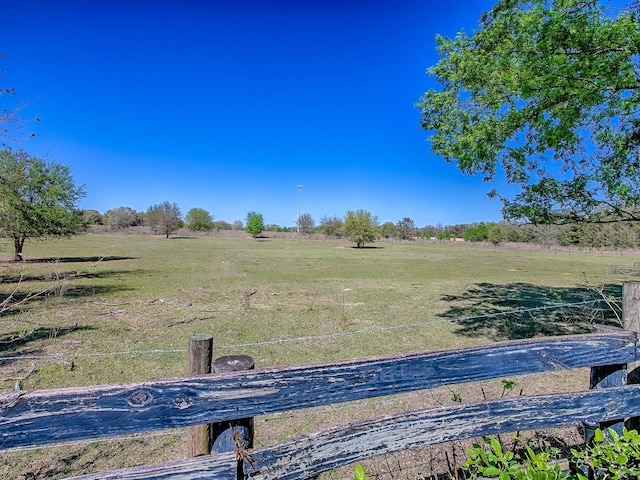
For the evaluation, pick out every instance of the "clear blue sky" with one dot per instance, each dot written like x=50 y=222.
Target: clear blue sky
x=230 y=105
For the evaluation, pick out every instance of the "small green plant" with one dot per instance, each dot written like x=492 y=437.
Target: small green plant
x=611 y=456
x=359 y=473
x=507 y=387
x=455 y=396
x=490 y=460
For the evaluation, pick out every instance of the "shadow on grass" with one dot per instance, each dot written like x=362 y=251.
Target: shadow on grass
x=62 y=276
x=19 y=301
x=77 y=291
x=523 y=310
x=106 y=258
x=12 y=341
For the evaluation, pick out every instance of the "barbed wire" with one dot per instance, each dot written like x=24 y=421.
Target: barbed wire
x=316 y=337
x=61 y=356
x=308 y=338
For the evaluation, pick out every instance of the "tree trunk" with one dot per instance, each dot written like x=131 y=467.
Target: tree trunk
x=18 y=243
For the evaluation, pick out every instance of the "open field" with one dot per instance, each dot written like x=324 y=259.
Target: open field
x=121 y=307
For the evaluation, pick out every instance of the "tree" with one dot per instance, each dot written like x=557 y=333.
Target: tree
x=388 y=230
x=223 y=225
x=305 y=223
x=38 y=199
x=331 y=226
x=477 y=232
x=122 y=217
x=497 y=233
x=237 y=225
x=199 y=220
x=546 y=93
x=164 y=218
x=406 y=229
x=255 y=224
x=360 y=227
x=91 y=217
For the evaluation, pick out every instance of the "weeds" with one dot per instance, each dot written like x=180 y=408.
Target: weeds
x=611 y=456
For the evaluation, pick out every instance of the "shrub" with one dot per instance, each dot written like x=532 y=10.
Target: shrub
x=610 y=456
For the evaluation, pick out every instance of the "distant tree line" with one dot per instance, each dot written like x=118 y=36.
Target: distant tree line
x=361 y=227
x=584 y=235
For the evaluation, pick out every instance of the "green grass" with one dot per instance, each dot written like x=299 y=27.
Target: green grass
x=119 y=297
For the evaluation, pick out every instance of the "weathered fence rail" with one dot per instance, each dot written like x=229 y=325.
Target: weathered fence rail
x=44 y=417
x=307 y=457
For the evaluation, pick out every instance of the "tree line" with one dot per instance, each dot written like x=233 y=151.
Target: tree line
x=362 y=227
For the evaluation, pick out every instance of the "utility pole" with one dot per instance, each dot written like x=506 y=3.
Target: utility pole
x=298 y=221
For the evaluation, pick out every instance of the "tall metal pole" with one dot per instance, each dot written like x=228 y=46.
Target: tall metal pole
x=298 y=222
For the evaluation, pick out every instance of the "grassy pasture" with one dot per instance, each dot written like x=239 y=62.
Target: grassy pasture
x=121 y=308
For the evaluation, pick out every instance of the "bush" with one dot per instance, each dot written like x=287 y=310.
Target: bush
x=610 y=456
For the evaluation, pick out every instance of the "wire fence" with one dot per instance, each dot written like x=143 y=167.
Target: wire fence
x=328 y=336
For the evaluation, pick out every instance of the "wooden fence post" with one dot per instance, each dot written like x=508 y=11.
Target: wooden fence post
x=604 y=377
x=200 y=354
x=631 y=322
x=237 y=435
x=618 y=375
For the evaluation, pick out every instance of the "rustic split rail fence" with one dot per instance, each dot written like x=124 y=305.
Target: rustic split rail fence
x=51 y=416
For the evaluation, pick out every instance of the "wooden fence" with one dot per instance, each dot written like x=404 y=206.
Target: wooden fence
x=51 y=416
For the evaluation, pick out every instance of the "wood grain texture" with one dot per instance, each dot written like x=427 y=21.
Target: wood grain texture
x=199 y=363
x=49 y=416
x=311 y=455
x=218 y=467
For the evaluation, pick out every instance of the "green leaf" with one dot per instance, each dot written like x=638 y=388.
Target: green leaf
x=495 y=445
x=598 y=436
x=491 y=471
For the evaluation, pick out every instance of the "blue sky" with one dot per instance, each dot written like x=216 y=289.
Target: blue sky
x=230 y=105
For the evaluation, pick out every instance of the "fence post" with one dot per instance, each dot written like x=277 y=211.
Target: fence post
x=603 y=377
x=631 y=322
x=618 y=375
x=236 y=435
x=200 y=354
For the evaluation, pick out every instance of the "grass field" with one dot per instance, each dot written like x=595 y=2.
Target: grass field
x=120 y=308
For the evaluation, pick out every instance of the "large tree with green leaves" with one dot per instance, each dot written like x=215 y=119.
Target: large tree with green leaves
x=164 y=218
x=360 y=227
x=38 y=199
x=545 y=93
x=199 y=220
